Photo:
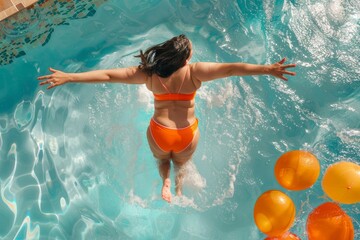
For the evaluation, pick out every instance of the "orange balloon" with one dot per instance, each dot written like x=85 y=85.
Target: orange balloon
x=274 y=213
x=297 y=170
x=286 y=236
x=341 y=182
x=328 y=222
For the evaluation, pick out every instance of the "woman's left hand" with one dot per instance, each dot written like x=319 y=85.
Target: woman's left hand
x=57 y=78
x=279 y=69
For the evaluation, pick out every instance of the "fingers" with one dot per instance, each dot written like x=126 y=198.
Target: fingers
x=48 y=76
x=44 y=82
x=49 y=81
x=286 y=66
x=44 y=77
x=51 y=86
x=289 y=73
x=282 y=61
x=283 y=78
x=289 y=66
x=284 y=71
x=53 y=70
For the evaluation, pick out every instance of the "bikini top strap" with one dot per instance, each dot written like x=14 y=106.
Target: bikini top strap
x=163 y=85
x=182 y=82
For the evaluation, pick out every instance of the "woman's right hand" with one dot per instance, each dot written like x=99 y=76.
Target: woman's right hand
x=55 y=79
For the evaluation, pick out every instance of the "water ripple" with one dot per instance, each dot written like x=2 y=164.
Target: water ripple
x=75 y=164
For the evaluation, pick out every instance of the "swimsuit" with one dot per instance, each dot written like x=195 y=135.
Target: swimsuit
x=173 y=139
x=174 y=96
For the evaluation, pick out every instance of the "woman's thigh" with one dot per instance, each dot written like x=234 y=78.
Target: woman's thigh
x=157 y=152
x=186 y=154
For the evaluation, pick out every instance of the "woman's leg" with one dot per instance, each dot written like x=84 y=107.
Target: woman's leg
x=164 y=170
x=179 y=159
x=163 y=160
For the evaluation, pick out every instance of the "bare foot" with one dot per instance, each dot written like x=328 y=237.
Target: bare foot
x=165 y=191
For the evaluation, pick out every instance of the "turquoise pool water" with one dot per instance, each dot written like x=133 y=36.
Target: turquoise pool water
x=74 y=161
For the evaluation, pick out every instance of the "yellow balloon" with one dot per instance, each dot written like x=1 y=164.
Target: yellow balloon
x=341 y=182
x=297 y=170
x=274 y=213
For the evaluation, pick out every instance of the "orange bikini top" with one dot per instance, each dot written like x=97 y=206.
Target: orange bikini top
x=174 y=96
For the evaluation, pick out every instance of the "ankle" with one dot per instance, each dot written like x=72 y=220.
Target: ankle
x=167 y=182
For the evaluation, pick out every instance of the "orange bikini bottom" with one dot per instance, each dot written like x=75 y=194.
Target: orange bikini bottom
x=172 y=139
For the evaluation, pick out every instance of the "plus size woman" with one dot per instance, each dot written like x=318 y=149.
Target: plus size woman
x=166 y=71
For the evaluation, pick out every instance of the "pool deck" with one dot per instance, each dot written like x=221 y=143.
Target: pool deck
x=11 y=7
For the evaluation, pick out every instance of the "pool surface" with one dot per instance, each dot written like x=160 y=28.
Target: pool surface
x=75 y=163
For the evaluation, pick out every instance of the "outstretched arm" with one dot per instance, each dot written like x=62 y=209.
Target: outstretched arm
x=204 y=71
x=130 y=75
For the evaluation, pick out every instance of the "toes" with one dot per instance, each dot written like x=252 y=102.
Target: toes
x=166 y=197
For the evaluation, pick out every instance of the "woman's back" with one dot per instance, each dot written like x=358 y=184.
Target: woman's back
x=174 y=97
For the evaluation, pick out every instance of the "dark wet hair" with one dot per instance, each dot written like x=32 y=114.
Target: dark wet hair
x=165 y=58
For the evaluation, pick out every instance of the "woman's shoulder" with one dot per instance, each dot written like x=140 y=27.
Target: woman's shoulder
x=190 y=75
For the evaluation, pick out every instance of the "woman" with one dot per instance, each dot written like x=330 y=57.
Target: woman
x=173 y=130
